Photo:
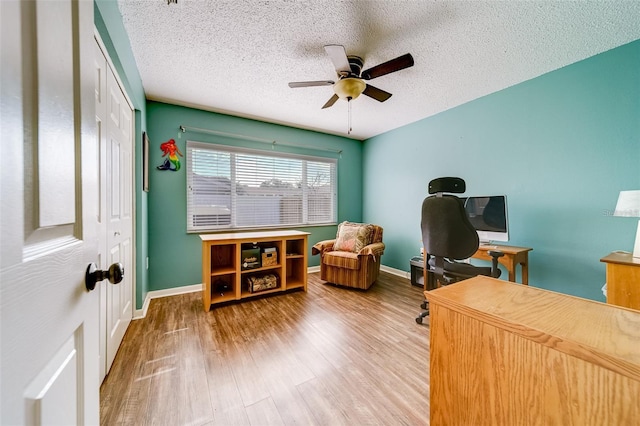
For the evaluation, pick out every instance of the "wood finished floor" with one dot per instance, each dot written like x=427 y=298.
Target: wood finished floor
x=330 y=356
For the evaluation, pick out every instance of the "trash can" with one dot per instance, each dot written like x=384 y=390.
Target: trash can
x=417 y=274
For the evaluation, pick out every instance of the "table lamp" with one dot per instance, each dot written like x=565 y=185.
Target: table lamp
x=628 y=205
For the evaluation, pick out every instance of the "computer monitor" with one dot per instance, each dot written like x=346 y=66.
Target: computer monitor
x=488 y=215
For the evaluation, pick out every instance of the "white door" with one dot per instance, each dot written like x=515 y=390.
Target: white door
x=48 y=211
x=114 y=121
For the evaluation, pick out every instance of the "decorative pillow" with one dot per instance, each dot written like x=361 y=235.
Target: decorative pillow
x=353 y=237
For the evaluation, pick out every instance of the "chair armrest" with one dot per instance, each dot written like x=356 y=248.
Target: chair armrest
x=495 y=254
x=322 y=246
x=373 y=249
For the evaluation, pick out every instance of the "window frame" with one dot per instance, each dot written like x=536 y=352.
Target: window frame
x=233 y=151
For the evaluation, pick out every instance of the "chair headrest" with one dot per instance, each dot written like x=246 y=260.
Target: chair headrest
x=454 y=185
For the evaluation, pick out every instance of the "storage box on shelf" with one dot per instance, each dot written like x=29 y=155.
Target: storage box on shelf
x=250 y=256
x=225 y=277
x=269 y=256
x=259 y=283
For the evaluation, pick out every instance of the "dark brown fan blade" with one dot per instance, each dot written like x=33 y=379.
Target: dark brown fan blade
x=339 y=58
x=397 y=64
x=375 y=93
x=295 y=84
x=331 y=101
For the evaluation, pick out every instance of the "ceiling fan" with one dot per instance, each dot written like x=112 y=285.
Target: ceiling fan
x=351 y=80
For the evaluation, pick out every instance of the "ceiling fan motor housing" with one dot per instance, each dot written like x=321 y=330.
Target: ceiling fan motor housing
x=356 y=63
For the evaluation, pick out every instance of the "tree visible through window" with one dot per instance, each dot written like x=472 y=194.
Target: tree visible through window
x=229 y=187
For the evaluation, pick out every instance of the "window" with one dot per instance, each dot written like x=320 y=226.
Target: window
x=235 y=188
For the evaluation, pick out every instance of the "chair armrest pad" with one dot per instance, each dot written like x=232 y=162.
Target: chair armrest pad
x=495 y=253
x=322 y=246
x=373 y=249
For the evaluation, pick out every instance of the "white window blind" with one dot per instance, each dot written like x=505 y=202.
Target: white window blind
x=231 y=187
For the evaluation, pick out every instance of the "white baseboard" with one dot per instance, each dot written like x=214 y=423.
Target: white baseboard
x=141 y=313
x=393 y=271
x=397 y=272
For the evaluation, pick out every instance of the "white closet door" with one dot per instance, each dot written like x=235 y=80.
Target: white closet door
x=114 y=118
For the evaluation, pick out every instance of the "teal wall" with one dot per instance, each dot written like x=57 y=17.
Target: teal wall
x=174 y=255
x=560 y=146
x=108 y=22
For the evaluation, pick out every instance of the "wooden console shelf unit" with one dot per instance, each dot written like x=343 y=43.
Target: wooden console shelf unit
x=508 y=354
x=223 y=277
x=623 y=280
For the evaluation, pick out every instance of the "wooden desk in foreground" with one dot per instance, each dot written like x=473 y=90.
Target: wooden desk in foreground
x=513 y=256
x=509 y=354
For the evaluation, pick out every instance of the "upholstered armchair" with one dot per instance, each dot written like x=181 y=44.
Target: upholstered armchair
x=352 y=259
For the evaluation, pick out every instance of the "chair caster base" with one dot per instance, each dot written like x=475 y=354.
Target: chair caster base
x=421 y=316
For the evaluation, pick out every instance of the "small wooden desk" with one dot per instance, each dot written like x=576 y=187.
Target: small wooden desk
x=623 y=280
x=513 y=256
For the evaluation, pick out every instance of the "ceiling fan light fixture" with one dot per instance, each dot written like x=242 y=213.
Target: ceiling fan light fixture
x=349 y=87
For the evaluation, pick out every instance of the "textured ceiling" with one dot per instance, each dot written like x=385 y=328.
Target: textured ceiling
x=237 y=56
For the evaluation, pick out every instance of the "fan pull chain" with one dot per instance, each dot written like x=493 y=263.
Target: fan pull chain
x=349 y=108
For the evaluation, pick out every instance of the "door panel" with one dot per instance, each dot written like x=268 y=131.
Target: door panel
x=48 y=320
x=55 y=395
x=55 y=114
x=113 y=165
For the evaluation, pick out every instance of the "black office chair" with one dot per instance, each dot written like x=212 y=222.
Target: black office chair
x=448 y=237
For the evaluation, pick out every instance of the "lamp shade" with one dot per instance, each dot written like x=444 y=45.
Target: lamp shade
x=628 y=204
